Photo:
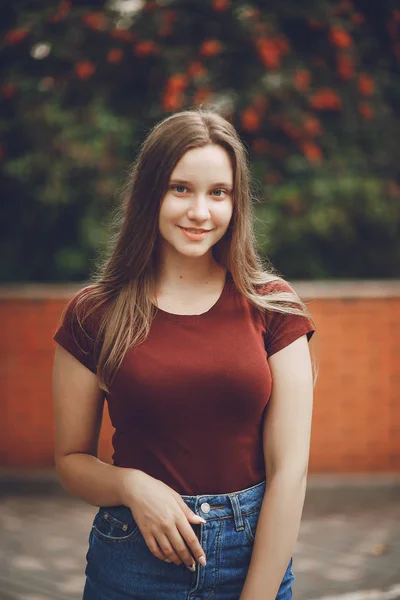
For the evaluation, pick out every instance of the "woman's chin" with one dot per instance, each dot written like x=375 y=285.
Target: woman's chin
x=192 y=251
x=195 y=253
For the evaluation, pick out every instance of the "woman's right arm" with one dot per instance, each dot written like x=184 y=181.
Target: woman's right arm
x=162 y=516
x=78 y=409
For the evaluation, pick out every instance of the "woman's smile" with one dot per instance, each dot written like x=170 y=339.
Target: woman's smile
x=193 y=233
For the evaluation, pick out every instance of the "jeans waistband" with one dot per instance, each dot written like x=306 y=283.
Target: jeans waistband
x=222 y=506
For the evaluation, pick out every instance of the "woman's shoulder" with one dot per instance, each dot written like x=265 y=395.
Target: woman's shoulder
x=80 y=324
x=285 y=316
x=266 y=291
x=85 y=308
x=273 y=285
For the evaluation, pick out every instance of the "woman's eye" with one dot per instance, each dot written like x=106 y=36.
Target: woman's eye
x=222 y=192
x=179 y=188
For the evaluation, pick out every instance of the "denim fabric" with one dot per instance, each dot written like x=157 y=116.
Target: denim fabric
x=120 y=566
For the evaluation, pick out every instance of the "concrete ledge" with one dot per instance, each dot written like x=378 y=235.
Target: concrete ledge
x=314 y=480
x=352 y=480
x=307 y=290
x=325 y=493
x=40 y=291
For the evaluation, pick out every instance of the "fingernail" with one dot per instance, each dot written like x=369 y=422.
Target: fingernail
x=202 y=561
x=166 y=560
x=192 y=567
x=202 y=520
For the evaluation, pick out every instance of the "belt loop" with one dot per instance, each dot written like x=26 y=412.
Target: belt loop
x=237 y=513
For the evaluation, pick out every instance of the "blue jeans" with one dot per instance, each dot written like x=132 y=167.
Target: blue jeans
x=120 y=566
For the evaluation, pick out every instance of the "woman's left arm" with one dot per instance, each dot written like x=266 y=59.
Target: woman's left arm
x=286 y=443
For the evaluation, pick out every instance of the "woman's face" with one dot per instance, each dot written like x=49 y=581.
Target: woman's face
x=197 y=208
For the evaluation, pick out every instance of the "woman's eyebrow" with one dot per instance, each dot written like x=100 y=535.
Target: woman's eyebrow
x=185 y=182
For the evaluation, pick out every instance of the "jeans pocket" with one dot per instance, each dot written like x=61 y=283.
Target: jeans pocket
x=285 y=589
x=115 y=524
x=250 y=524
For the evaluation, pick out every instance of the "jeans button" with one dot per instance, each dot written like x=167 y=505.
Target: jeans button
x=205 y=507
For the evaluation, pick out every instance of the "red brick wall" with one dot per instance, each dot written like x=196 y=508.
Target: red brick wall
x=356 y=424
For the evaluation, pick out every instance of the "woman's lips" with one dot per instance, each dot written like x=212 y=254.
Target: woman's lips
x=194 y=234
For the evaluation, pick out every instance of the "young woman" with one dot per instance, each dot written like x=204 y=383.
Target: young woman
x=202 y=356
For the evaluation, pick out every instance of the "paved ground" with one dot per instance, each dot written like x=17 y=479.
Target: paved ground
x=348 y=548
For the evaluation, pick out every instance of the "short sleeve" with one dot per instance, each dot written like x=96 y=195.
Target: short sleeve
x=76 y=339
x=281 y=329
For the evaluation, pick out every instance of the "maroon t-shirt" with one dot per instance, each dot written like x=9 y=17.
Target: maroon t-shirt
x=188 y=403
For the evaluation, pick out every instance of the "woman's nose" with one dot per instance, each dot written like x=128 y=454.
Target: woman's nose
x=199 y=209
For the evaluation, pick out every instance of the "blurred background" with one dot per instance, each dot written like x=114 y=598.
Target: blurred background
x=313 y=89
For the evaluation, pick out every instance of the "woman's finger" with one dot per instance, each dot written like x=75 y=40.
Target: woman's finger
x=179 y=546
x=153 y=546
x=186 y=531
x=167 y=549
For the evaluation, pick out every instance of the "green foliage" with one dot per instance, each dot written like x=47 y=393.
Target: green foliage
x=312 y=87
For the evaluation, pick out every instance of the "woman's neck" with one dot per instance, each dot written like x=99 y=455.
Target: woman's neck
x=188 y=274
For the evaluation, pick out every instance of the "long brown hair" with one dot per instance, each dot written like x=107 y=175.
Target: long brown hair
x=123 y=283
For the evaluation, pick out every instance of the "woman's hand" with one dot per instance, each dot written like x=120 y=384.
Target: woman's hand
x=163 y=518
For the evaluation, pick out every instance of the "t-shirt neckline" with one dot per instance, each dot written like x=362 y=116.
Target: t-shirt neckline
x=210 y=312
